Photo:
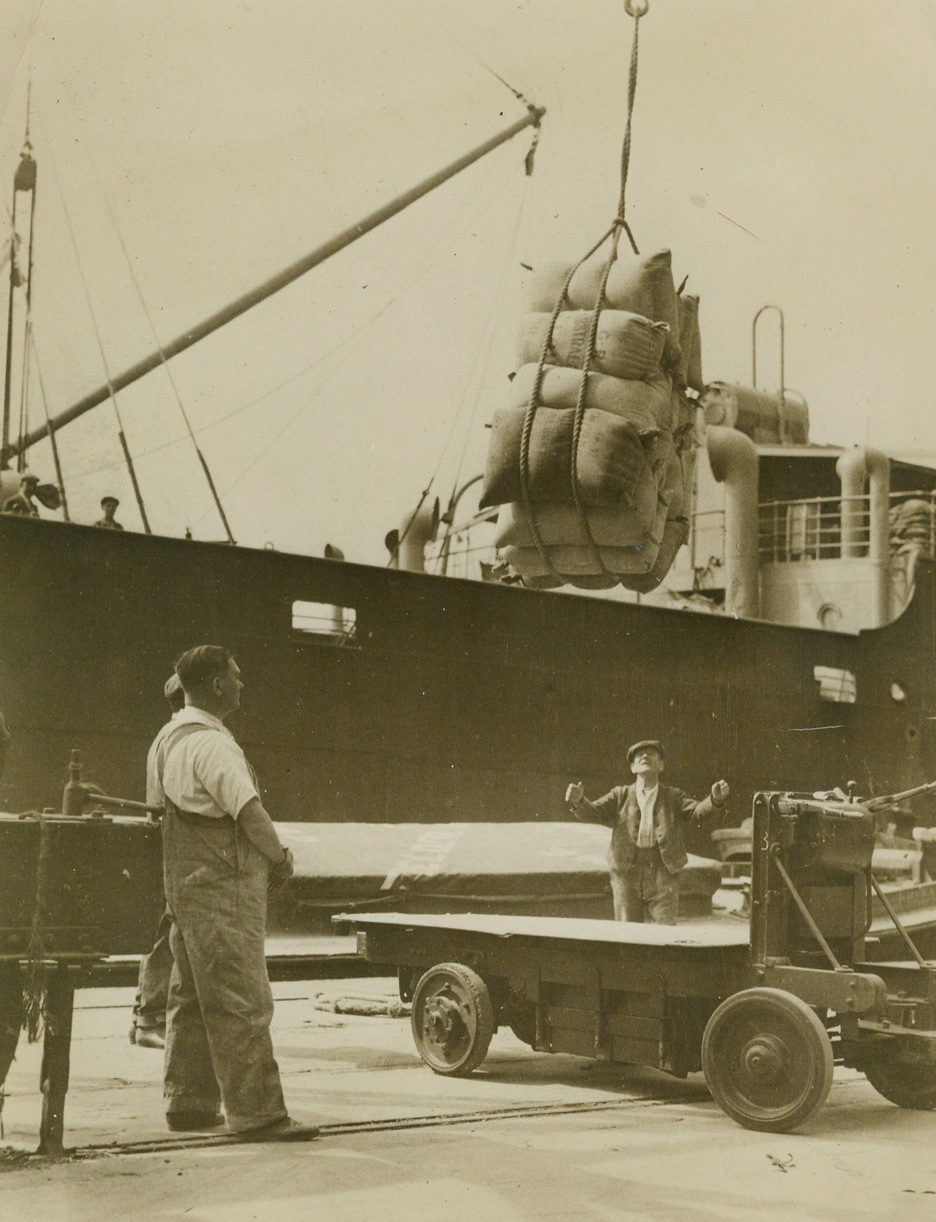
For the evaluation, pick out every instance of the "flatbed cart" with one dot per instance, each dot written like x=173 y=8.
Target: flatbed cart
x=765 y=1010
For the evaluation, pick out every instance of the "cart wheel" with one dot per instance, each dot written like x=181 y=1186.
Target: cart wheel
x=909 y=1084
x=452 y=1019
x=767 y=1060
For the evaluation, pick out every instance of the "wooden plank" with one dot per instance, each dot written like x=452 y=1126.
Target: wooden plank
x=631 y=1026
x=636 y=1052
x=701 y=935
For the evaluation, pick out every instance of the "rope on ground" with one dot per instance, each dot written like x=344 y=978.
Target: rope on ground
x=361 y=1004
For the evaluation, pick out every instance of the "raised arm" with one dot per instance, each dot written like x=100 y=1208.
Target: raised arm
x=714 y=803
x=603 y=810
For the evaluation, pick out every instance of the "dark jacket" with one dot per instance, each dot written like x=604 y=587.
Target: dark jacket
x=619 y=811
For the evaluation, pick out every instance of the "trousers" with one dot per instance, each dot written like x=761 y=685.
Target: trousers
x=647 y=891
x=220 y=1006
x=149 y=1009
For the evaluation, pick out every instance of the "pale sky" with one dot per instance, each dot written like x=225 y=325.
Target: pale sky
x=784 y=150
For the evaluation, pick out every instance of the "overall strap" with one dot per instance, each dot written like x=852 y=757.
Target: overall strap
x=175 y=736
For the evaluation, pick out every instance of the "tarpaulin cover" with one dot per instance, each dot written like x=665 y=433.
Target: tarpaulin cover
x=536 y=868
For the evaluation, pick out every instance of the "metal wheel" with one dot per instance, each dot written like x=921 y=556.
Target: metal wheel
x=767 y=1060
x=452 y=1019
x=910 y=1084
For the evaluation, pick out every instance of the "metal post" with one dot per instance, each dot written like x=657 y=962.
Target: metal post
x=56 y=1057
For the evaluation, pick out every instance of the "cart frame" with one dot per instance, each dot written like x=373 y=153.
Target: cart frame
x=765 y=1011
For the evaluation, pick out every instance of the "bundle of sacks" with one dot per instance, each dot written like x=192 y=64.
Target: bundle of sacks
x=912 y=524
x=637 y=439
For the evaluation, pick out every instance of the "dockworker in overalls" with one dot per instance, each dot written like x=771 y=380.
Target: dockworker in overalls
x=647 y=852
x=221 y=853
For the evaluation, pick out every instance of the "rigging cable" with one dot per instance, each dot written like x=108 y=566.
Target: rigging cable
x=107 y=374
x=53 y=431
x=344 y=347
x=27 y=331
x=495 y=315
x=425 y=493
x=23 y=426
x=162 y=356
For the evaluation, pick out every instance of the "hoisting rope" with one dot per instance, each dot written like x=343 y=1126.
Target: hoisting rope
x=635 y=9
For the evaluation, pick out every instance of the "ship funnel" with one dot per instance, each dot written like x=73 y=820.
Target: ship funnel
x=416 y=530
x=855 y=468
x=780 y=419
x=733 y=459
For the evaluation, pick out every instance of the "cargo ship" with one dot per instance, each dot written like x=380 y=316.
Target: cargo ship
x=790 y=645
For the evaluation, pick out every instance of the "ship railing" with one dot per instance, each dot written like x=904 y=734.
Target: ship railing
x=788 y=532
x=466 y=549
x=811 y=529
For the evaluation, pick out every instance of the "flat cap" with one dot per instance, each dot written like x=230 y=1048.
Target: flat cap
x=172 y=686
x=652 y=744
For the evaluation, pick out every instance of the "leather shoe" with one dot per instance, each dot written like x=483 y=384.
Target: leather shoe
x=286 y=1129
x=147 y=1037
x=187 y=1122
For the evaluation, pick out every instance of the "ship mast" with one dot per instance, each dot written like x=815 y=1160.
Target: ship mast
x=24 y=183
x=275 y=283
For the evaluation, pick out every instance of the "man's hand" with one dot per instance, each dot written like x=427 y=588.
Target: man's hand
x=575 y=793
x=720 y=791
x=281 y=872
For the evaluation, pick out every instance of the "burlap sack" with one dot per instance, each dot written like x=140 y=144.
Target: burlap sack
x=675 y=534
x=687 y=460
x=684 y=411
x=645 y=403
x=561 y=524
x=610 y=461
x=657 y=448
x=689 y=369
x=626 y=345
x=672 y=489
x=582 y=581
x=577 y=562
x=546 y=285
x=580 y=561
x=642 y=284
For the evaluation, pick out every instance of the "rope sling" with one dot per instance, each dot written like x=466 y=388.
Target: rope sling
x=635 y=9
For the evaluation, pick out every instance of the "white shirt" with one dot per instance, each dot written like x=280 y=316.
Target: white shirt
x=154 y=790
x=646 y=800
x=205 y=773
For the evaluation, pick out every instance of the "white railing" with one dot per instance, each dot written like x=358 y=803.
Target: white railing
x=812 y=529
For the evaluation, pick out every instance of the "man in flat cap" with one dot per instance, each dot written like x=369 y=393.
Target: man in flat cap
x=108 y=521
x=647 y=852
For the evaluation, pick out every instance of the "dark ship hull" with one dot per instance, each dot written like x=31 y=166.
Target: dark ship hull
x=453 y=699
